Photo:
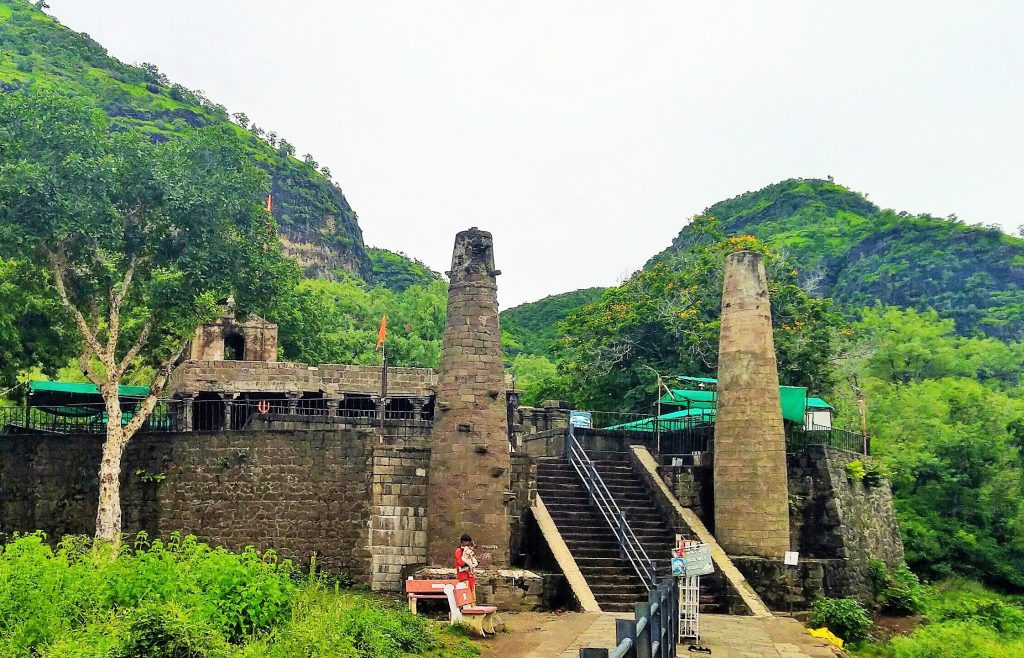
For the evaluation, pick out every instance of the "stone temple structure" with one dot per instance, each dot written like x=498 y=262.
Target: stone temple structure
x=751 y=487
x=469 y=459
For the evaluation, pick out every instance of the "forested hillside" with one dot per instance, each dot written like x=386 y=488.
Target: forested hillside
x=318 y=226
x=849 y=249
x=531 y=328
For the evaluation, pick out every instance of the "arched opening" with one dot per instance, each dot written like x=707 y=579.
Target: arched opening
x=234 y=347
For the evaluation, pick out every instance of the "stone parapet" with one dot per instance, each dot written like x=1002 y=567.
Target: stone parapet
x=283 y=377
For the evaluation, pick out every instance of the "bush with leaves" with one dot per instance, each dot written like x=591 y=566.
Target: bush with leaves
x=847 y=618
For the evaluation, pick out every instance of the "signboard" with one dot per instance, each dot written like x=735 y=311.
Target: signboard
x=792 y=558
x=678 y=566
x=698 y=561
x=581 y=419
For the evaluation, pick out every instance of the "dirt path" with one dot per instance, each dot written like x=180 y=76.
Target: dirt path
x=536 y=634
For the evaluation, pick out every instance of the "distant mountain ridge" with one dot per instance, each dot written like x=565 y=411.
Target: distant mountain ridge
x=317 y=225
x=849 y=249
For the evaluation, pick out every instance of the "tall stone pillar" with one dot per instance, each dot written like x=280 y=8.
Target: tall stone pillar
x=469 y=458
x=751 y=494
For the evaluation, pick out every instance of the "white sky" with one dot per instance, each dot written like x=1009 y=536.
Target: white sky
x=583 y=133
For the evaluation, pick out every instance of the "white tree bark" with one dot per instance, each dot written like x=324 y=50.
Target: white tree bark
x=118 y=433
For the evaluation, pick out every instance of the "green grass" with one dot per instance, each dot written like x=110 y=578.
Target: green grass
x=961 y=619
x=185 y=599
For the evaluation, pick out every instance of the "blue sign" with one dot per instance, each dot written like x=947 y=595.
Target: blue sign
x=581 y=419
x=678 y=566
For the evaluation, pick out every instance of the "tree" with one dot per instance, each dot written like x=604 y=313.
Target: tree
x=242 y=119
x=309 y=160
x=141 y=241
x=666 y=316
x=153 y=74
x=285 y=148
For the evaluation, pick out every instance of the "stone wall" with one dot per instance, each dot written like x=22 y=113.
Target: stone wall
x=837 y=525
x=523 y=493
x=283 y=377
x=295 y=492
x=693 y=487
x=361 y=506
x=398 y=521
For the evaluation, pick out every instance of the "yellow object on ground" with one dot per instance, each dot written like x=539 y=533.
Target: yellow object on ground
x=827 y=635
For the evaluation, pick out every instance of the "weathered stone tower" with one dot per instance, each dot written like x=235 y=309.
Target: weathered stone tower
x=469 y=459
x=751 y=494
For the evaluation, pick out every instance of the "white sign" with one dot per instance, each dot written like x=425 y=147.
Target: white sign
x=792 y=557
x=698 y=561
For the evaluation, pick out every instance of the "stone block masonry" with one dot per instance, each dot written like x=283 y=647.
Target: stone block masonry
x=751 y=499
x=469 y=463
x=295 y=492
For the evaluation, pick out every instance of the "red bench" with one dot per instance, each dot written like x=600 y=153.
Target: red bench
x=462 y=606
x=462 y=603
x=425 y=589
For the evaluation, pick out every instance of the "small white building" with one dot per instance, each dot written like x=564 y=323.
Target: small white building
x=818 y=414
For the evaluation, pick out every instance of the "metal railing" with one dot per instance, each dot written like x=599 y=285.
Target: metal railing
x=661 y=435
x=629 y=545
x=177 y=415
x=800 y=438
x=76 y=419
x=654 y=631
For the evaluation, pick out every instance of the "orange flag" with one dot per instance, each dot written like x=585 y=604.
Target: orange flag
x=383 y=333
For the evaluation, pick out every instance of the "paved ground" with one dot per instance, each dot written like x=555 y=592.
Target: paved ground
x=550 y=635
x=759 y=637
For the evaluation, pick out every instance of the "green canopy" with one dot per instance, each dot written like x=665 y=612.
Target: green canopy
x=84 y=388
x=78 y=399
x=792 y=398
x=818 y=404
x=677 y=420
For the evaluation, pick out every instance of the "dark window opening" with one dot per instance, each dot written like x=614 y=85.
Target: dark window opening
x=357 y=406
x=234 y=347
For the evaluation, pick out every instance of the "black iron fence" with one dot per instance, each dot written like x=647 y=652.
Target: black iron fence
x=77 y=418
x=213 y=414
x=682 y=435
x=799 y=438
x=653 y=632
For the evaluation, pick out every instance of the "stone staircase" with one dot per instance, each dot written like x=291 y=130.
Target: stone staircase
x=612 y=578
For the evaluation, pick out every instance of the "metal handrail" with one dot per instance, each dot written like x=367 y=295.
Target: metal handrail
x=629 y=544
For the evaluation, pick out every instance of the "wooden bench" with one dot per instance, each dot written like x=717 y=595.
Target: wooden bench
x=463 y=608
x=426 y=589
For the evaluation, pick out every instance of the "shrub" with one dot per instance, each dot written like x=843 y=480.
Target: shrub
x=855 y=470
x=898 y=593
x=875 y=473
x=844 y=617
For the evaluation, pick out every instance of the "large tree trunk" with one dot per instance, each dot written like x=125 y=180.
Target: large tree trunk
x=108 y=516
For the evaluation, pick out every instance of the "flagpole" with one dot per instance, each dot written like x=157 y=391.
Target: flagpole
x=383 y=388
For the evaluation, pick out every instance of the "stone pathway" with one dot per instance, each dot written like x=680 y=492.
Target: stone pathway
x=545 y=635
x=759 y=637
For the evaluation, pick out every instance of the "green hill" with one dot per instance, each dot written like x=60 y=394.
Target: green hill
x=317 y=225
x=531 y=328
x=849 y=249
x=399 y=272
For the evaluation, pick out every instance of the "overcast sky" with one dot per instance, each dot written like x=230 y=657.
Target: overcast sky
x=584 y=133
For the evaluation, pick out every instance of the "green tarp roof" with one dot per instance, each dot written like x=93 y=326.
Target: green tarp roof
x=78 y=399
x=818 y=403
x=676 y=420
x=793 y=399
x=84 y=388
